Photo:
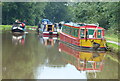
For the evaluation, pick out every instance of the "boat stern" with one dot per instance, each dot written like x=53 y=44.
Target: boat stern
x=95 y=44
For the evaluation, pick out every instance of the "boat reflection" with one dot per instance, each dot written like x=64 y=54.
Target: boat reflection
x=48 y=41
x=18 y=39
x=83 y=60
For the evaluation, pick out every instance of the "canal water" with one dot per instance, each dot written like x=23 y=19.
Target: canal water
x=32 y=57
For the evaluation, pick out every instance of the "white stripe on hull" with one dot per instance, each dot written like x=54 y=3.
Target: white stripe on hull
x=49 y=32
x=49 y=38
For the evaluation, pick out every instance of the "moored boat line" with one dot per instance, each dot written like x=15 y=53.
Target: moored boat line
x=88 y=36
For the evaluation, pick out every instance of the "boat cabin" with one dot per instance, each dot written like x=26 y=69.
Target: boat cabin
x=83 y=31
x=49 y=28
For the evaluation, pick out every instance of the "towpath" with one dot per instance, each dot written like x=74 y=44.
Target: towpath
x=114 y=42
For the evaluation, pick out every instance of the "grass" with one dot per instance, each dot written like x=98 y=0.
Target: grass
x=112 y=38
x=30 y=26
x=109 y=35
x=7 y=27
x=113 y=47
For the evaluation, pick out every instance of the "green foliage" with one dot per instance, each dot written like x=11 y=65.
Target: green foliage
x=8 y=27
x=34 y=12
x=104 y=13
x=29 y=11
x=57 y=11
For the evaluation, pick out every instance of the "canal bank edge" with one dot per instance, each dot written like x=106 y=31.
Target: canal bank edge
x=113 y=47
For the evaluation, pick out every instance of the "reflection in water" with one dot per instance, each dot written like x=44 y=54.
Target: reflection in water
x=19 y=62
x=82 y=60
x=67 y=72
x=18 y=39
x=41 y=58
x=48 y=41
x=55 y=67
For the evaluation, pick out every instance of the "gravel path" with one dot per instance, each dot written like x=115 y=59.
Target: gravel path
x=114 y=42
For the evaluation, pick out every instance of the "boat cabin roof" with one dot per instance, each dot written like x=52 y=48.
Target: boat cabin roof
x=88 y=26
x=45 y=20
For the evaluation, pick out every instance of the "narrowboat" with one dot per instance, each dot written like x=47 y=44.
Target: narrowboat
x=88 y=61
x=47 y=29
x=83 y=36
x=18 y=28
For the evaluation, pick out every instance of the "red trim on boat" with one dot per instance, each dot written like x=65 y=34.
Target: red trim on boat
x=87 y=26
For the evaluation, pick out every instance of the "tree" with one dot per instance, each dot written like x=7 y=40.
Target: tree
x=28 y=11
x=104 y=13
x=57 y=11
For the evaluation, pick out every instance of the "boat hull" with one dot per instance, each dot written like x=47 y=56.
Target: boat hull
x=18 y=30
x=98 y=44
x=49 y=34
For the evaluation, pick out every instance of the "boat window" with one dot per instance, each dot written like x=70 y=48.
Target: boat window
x=70 y=32
x=49 y=27
x=98 y=65
x=82 y=33
x=89 y=65
x=76 y=32
x=67 y=30
x=63 y=28
x=99 y=33
x=90 y=33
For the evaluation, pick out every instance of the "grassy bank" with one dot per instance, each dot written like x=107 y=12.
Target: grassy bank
x=30 y=26
x=7 y=27
x=113 y=47
x=112 y=38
